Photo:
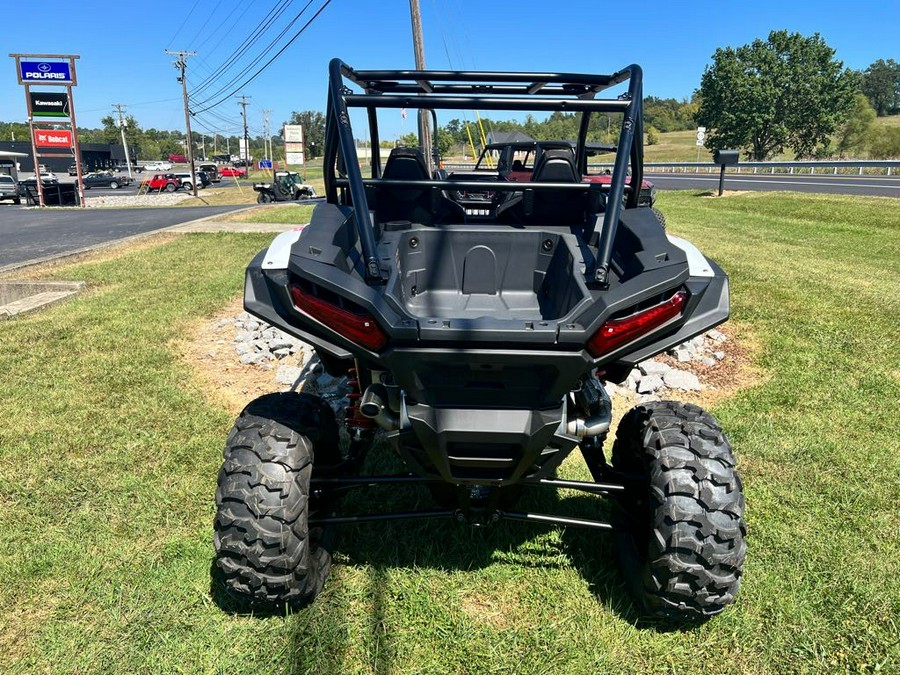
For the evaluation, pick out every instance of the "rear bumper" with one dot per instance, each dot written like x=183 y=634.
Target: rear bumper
x=485 y=447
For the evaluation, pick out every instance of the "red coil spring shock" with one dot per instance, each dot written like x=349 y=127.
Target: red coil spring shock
x=354 y=420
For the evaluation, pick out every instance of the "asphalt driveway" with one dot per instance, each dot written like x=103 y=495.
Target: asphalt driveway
x=34 y=234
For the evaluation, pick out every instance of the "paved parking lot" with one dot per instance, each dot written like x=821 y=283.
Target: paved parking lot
x=30 y=235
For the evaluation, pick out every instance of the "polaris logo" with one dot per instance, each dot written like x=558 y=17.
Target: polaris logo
x=50 y=72
x=45 y=76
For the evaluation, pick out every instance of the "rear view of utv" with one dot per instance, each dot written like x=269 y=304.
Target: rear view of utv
x=476 y=347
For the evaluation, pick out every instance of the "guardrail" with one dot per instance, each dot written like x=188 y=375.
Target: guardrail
x=753 y=167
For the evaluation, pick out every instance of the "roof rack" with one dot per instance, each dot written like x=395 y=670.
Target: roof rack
x=482 y=90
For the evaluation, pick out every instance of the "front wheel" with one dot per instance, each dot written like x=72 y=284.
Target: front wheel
x=684 y=554
x=114 y=185
x=267 y=557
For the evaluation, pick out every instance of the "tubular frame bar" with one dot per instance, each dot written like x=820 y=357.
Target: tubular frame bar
x=387 y=516
x=504 y=186
x=361 y=213
x=484 y=103
x=583 y=87
x=556 y=520
x=374 y=480
x=371 y=78
x=631 y=124
x=586 y=486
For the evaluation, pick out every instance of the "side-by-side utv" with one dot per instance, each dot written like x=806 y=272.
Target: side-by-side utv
x=478 y=349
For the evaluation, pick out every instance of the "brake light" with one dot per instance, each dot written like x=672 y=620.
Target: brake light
x=617 y=332
x=361 y=329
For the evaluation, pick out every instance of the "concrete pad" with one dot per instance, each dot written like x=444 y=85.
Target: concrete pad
x=20 y=297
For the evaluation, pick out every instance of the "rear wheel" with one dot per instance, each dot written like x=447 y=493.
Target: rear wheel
x=171 y=187
x=263 y=198
x=267 y=557
x=684 y=554
x=114 y=185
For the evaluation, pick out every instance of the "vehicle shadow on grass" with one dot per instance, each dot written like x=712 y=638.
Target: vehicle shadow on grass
x=330 y=632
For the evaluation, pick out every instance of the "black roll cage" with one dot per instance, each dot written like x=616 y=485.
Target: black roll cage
x=482 y=90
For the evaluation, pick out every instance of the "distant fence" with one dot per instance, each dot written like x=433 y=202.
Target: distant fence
x=858 y=167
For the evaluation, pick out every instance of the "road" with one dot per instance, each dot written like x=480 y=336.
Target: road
x=887 y=186
x=33 y=234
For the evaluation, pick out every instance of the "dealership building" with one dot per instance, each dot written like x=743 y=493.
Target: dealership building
x=94 y=156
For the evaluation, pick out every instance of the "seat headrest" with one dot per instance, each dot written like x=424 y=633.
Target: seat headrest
x=556 y=166
x=406 y=164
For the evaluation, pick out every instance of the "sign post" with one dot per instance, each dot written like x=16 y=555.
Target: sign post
x=54 y=70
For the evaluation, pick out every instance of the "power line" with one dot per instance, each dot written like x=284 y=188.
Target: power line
x=269 y=62
x=259 y=57
x=226 y=33
x=211 y=14
x=187 y=16
x=246 y=44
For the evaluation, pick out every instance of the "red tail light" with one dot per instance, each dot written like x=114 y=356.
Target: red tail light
x=617 y=332
x=361 y=329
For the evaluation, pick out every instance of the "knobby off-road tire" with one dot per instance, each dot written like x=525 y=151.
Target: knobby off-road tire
x=660 y=216
x=267 y=557
x=684 y=555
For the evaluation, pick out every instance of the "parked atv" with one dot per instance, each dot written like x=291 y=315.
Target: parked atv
x=478 y=351
x=287 y=186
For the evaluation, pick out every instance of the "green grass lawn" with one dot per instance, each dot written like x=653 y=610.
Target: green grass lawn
x=109 y=452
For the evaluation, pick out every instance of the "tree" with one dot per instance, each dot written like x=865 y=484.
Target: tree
x=881 y=84
x=854 y=134
x=652 y=135
x=886 y=144
x=788 y=91
x=313 y=130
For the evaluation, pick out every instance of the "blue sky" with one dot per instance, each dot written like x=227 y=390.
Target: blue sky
x=121 y=45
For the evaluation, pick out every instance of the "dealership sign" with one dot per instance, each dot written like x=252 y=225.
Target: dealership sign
x=53 y=138
x=44 y=104
x=46 y=72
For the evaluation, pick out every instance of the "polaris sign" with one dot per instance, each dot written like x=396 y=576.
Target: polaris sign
x=45 y=72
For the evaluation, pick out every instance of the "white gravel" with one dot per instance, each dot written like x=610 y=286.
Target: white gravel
x=165 y=199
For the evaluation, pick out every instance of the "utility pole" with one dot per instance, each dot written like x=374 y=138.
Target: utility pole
x=203 y=145
x=120 y=108
x=181 y=65
x=215 y=143
x=419 y=48
x=243 y=104
x=268 y=140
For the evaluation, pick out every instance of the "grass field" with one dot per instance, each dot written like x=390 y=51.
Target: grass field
x=109 y=451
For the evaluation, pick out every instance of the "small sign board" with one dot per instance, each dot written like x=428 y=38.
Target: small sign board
x=294 y=158
x=701 y=135
x=46 y=104
x=265 y=164
x=53 y=138
x=293 y=133
x=45 y=72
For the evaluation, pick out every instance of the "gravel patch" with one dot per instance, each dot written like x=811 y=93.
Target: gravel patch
x=294 y=364
x=165 y=199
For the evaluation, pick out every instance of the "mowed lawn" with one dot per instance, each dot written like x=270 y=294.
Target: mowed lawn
x=109 y=452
